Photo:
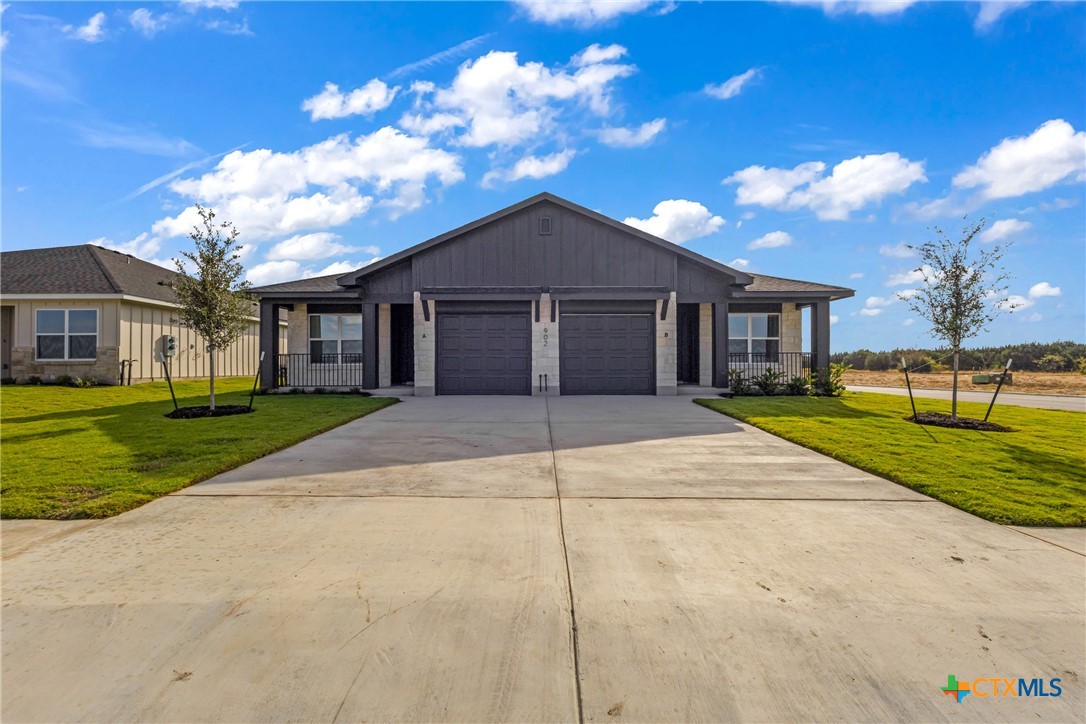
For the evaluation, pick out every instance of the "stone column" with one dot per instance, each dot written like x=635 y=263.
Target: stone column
x=369 y=346
x=705 y=345
x=425 y=348
x=384 y=345
x=666 y=348
x=545 y=348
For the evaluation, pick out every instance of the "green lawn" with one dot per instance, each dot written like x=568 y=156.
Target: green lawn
x=1035 y=475
x=92 y=453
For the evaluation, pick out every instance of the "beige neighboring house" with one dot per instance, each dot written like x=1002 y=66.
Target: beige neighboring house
x=85 y=311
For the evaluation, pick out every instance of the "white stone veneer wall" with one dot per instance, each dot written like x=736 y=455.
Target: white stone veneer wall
x=666 y=349
x=425 y=349
x=545 y=348
x=791 y=328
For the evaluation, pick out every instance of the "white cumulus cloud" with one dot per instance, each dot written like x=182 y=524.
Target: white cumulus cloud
x=1044 y=289
x=900 y=250
x=1003 y=229
x=503 y=102
x=643 y=135
x=740 y=263
x=145 y=22
x=678 y=221
x=733 y=86
x=771 y=240
x=94 y=31
x=857 y=7
x=850 y=186
x=364 y=101
x=318 y=245
x=912 y=276
x=268 y=194
x=989 y=12
x=533 y=167
x=584 y=13
x=1054 y=153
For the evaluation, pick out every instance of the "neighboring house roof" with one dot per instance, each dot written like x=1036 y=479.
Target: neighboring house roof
x=83 y=269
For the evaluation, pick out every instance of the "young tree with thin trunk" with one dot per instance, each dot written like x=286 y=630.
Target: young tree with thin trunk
x=964 y=289
x=214 y=299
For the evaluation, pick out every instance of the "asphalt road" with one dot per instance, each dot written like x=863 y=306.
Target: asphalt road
x=1076 y=403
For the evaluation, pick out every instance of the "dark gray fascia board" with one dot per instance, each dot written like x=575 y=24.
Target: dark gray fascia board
x=302 y=297
x=352 y=278
x=797 y=297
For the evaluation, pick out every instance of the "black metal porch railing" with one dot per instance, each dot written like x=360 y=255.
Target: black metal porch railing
x=319 y=370
x=788 y=364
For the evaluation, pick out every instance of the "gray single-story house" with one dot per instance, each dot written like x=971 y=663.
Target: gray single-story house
x=89 y=312
x=544 y=297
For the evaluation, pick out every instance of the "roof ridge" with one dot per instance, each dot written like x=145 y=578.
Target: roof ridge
x=93 y=249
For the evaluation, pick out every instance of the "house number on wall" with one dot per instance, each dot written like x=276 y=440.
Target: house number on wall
x=546 y=336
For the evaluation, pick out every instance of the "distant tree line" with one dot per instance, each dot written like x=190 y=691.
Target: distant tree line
x=1029 y=357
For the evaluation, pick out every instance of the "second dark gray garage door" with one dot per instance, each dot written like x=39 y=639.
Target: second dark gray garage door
x=484 y=354
x=607 y=354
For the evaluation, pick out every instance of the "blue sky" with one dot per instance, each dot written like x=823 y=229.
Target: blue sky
x=804 y=140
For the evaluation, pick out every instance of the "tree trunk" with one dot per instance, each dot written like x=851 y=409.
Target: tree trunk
x=211 y=370
x=954 y=395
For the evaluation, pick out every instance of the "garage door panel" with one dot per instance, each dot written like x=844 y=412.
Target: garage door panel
x=602 y=354
x=483 y=354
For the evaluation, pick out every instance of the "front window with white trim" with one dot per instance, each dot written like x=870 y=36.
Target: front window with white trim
x=755 y=335
x=66 y=334
x=335 y=338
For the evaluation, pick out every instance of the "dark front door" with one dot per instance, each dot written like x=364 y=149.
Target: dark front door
x=607 y=354
x=686 y=333
x=484 y=353
x=403 y=344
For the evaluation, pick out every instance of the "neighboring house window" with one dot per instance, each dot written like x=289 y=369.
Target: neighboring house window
x=66 y=334
x=758 y=335
x=335 y=338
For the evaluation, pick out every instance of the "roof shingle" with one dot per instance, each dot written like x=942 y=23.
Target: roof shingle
x=83 y=269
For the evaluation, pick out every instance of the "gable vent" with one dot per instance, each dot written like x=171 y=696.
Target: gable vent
x=544 y=225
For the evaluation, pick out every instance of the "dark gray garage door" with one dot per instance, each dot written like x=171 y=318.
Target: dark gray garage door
x=484 y=354
x=607 y=354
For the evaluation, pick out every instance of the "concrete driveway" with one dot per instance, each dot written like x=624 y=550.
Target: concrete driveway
x=520 y=559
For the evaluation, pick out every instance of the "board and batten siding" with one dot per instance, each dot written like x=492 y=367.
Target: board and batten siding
x=143 y=327
x=511 y=251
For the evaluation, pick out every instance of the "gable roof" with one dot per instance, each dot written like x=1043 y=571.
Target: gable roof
x=353 y=278
x=83 y=269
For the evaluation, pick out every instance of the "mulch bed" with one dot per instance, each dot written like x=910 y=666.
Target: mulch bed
x=939 y=419
x=190 y=413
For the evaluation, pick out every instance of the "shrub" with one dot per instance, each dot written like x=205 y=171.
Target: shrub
x=33 y=380
x=769 y=381
x=738 y=383
x=828 y=383
x=796 y=386
x=12 y=380
x=65 y=380
x=1080 y=365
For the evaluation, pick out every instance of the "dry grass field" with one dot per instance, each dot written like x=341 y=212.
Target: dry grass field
x=1053 y=383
